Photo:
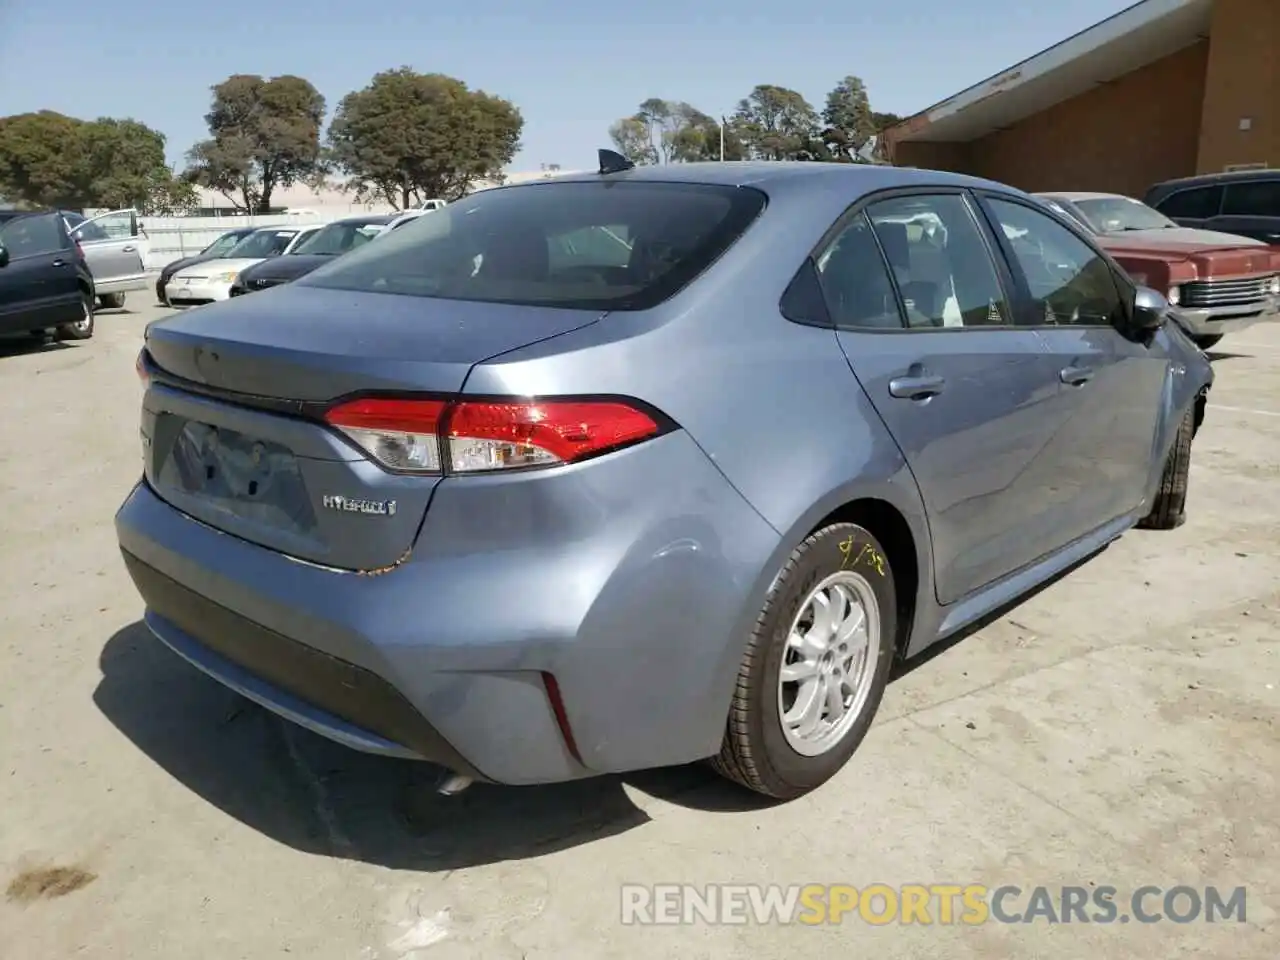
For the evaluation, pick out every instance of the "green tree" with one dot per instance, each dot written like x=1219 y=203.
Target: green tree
x=408 y=137
x=775 y=123
x=672 y=131
x=264 y=134
x=634 y=140
x=48 y=159
x=847 y=114
x=40 y=162
x=883 y=121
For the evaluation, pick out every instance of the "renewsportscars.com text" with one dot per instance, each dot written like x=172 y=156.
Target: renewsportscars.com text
x=926 y=904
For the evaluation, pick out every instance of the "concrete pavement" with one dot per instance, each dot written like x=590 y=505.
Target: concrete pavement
x=1120 y=727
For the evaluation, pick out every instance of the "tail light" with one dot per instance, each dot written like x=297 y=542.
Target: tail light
x=434 y=436
x=140 y=367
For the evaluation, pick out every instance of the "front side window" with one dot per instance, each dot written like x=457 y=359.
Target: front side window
x=1259 y=198
x=940 y=261
x=1198 y=204
x=31 y=236
x=1069 y=282
x=591 y=245
x=262 y=244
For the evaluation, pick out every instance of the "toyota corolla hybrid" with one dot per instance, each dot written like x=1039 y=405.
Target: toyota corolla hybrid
x=636 y=468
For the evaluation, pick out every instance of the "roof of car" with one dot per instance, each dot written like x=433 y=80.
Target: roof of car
x=1075 y=195
x=777 y=173
x=369 y=218
x=1226 y=176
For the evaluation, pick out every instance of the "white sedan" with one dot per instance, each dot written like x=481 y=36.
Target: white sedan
x=211 y=280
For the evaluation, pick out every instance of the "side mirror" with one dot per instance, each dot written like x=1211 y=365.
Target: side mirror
x=1150 y=310
x=4 y=255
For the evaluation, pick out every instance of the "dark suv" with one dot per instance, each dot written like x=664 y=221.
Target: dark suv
x=1244 y=202
x=45 y=283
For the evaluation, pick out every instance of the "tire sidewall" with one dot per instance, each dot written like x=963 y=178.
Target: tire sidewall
x=69 y=332
x=838 y=547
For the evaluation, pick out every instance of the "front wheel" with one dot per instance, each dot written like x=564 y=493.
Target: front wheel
x=81 y=329
x=816 y=665
x=1207 y=341
x=1169 y=510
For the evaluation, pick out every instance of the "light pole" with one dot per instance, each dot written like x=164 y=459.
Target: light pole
x=722 y=123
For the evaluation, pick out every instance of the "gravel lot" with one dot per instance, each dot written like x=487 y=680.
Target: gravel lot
x=1121 y=727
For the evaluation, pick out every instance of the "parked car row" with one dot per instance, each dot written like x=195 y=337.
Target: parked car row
x=249 y=259
x=1211 y=244
x=57 y=266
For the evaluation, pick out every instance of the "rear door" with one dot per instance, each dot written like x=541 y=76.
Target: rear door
x=967 y=395
x=1110 y=388
x=38 y=286
x=114 y=249
x=1252 y=209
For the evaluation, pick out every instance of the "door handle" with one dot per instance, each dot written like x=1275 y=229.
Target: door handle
x=1075 y=376
x=129 y=249
x=59 y=262
x=916 y=388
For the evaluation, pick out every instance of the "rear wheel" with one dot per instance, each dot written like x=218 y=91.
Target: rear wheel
x=815 y=667
x=1169 y=510
x=81 y=329
x=112 y=300
x=1208 y=340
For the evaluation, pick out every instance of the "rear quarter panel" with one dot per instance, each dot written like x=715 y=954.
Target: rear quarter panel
x=773 y=404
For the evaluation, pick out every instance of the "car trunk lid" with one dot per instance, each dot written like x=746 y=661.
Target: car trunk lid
x=229 y=423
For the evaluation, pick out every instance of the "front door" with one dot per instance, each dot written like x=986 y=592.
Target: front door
x=1110 y=387
x=114 y=250
x=967 y=396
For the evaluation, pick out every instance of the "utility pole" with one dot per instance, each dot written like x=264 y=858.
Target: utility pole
x=722 y=123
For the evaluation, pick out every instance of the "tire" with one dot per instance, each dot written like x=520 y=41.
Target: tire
x=757 y=751
x=81 y=329
x=1169 y=510
x=112 y=301
x=1207 y=341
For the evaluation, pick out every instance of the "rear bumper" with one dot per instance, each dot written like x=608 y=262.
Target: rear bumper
x=1215 y=321
x=637 y=611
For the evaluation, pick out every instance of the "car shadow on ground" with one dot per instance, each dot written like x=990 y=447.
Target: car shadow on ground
x=319 y=797
x=22 y=346
x=1216 y=355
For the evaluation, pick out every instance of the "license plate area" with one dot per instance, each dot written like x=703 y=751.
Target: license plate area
x=254 y=480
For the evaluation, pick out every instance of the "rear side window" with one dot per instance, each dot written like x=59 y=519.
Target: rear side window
x=31 y=236
x=1198 y=204
x=1259 y=198
x=582 y=245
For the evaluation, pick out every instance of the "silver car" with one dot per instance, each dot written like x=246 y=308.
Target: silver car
x=660 y=464
x=115 y=248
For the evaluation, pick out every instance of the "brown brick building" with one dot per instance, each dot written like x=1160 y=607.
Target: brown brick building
x=1165 y=88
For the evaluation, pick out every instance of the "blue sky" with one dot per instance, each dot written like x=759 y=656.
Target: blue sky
x=571 y=66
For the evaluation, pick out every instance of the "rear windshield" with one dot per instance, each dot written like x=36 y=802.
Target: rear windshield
x=339 y=237
x=581 y=245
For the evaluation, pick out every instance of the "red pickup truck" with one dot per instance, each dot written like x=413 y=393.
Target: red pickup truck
x=1218 y=283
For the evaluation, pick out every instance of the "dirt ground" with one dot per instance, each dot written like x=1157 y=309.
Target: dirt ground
x=1120 y=727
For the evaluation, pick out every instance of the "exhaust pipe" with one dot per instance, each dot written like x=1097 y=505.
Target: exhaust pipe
x=453 y=784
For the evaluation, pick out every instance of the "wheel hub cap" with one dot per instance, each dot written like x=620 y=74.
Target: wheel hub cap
x=829 y=663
